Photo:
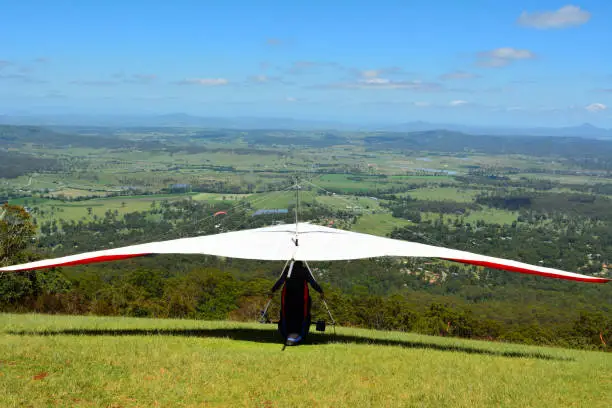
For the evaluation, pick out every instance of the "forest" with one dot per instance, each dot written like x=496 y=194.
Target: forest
x=14 y=164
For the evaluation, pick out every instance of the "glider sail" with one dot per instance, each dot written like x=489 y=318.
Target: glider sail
x=315 y=243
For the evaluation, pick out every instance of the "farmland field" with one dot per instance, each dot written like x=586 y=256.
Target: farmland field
x=489 y=215
x=443 y=194
x=80 y=210
x=379 y=224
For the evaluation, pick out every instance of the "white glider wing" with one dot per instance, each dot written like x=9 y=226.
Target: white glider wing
x=310 y=243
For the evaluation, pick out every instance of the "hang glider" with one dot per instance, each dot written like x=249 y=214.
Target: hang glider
x=300 y=242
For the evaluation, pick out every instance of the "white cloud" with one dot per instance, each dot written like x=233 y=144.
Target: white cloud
x=374 y=73
x=143 y=79
x=500 y=57
x=259 y=78
x=375 y=81
x=265 y=80
x=510 y=53
x=596 y=107
x=118 y=78
x=384 y=83
x=370 y=73
x=204 y=81
x=154 y=98
x=101 y=82
x=22 y=78
x=458 y=103
x=459 y=75
x=566 y=16
x=303 y=67
x=293 y=99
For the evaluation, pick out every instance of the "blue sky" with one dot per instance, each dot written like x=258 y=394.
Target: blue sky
x=470 y=61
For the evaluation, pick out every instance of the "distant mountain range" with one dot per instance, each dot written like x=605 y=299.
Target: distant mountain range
x=173 y=120
x=584 y=130
x=184 y=120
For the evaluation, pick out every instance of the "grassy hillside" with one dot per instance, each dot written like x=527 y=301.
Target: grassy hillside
x=128 y=362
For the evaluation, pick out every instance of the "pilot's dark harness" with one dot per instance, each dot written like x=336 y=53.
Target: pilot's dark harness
x=295 y=317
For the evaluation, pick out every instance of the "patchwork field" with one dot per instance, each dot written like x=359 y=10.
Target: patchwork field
x=488 y=215
x=379 y=224
x=443 y=194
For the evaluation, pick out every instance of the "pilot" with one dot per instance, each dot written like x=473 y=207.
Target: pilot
x=295 y=315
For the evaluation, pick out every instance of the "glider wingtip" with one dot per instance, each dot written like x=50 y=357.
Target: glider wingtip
x=83 y=261
x=593 y=280
x=532 y=271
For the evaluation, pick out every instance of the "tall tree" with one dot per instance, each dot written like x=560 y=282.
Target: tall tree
x=16 y=232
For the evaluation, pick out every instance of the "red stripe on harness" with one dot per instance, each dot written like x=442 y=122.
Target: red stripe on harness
x=283 y=300
x=305 y=299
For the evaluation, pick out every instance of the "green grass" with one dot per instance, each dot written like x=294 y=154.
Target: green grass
x=489 y=215
x=284 y=199
x=215 y=197
x=357 y=203
x=128 y=362
x=366 y=183
x=379 y=224
x=564 y=179
x=279 y=199
x=443 y=194
x=78 y=210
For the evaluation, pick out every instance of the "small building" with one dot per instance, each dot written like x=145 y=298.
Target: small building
x=270 y=211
